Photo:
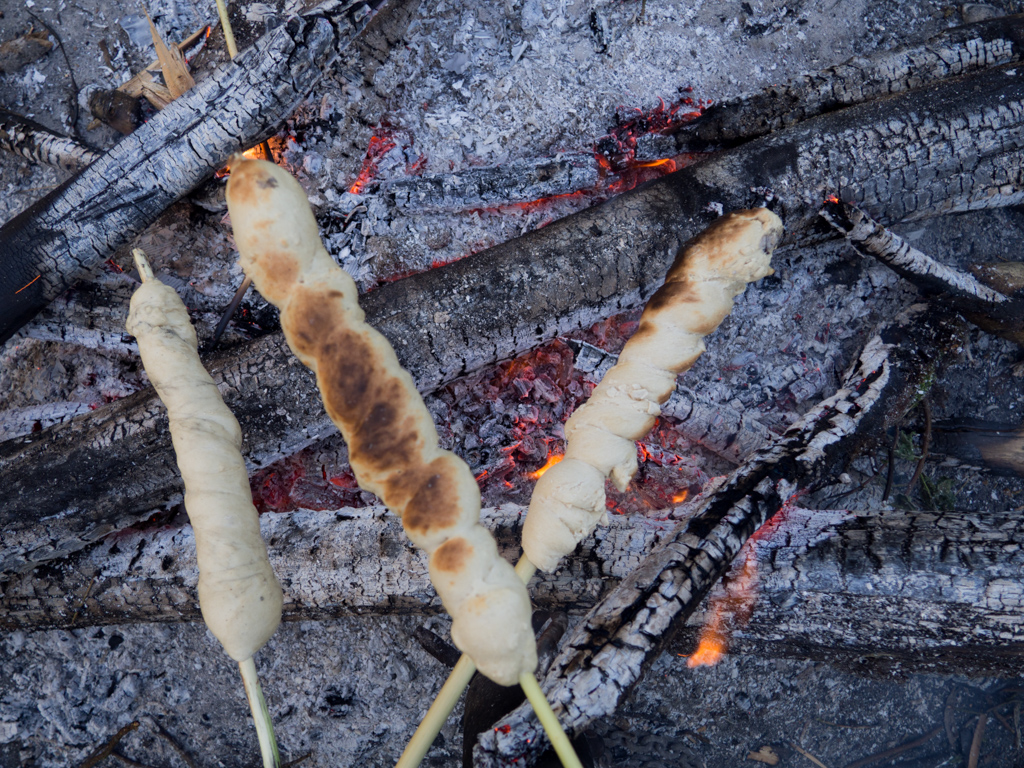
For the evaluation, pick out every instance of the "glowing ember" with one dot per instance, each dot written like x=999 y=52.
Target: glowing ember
x=727 y=612
x=552 y=460
x=381 y=143
x=679 y=498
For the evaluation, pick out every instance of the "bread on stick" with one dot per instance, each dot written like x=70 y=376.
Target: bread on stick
x=239 y=595
x=709 y=272
x=373 y=401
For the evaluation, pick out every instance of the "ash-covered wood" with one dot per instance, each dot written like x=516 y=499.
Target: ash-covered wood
x=728 y=433
x=952 y=53
x=41 y=145
x=66 y=235
x=953 y=146
x=608 y=653
x=983 y=305
x=520 y=181
x=945 y=587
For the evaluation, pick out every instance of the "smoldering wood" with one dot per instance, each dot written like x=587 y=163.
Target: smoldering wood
x=951 y=147
x=519 y=181
x=66 y=235
x=39 y=144
x=831 y=584
x=983 y=305
x=726 y=432
x=952 y=53
x=608 y=653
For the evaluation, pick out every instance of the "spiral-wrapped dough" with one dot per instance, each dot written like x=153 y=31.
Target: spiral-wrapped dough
x=392 y=440
x=239 y=595
x=709 y=272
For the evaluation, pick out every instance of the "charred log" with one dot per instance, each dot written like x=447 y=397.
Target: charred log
x=983 y=305
x=621 y=636
x=952 y=53
x=931 y=590
x=946 y=148
x=63 y=237
x=41 y=145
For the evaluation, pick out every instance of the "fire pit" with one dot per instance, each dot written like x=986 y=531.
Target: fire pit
x=445 y=132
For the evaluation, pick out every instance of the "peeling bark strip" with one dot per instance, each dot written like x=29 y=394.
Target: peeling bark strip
x=982 y=305
x=608 y=652
x=41 y=145
x=935 y=588
x=951 y=147
x=68 y=233
x=952 y=53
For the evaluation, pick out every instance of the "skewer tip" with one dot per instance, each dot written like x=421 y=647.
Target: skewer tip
x=142 y=263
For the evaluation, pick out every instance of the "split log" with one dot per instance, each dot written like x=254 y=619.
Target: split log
x=41 y=145
x=70 y=232
x=952 y=53
x=726 y=432
x=986 y=307
x=952 y=147
x=931 y=590
x=608 y=653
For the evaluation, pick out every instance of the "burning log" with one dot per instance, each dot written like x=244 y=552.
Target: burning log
x=1001 y=313
x=41 y=145
x=931 y=590
x=904 y=157
x=952 y=53
x=66 y=235
x=609 y=651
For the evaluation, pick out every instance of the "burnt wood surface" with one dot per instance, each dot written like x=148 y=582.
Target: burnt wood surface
x=950 y=147
x=70 y=232
x=609 y=652
x=41 y=145
x=928 y=589
x=954 y=52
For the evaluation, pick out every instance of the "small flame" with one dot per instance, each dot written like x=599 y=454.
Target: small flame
x=680 y=497
x=552 y=460
x=730 y=610
x=832 y=199
x=381 y=143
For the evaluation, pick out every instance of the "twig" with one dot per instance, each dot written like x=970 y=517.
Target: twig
x=297 y=760
x=890 y=753
x=807 y=754
x=979 y=735
x=230 y=311
x=107 y=748
x=71 y=74
x=177 y=747
x=926 y=441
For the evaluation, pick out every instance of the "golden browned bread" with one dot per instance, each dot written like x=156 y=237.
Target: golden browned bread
x=373 y=401
x=709 y=272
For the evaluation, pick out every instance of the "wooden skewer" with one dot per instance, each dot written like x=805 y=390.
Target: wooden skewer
x=458 y=681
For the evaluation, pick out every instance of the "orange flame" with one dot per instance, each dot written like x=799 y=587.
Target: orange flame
x=680 y=497
x=552 y=460
x=728 y=611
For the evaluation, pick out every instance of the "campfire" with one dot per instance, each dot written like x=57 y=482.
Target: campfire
x=838 y=475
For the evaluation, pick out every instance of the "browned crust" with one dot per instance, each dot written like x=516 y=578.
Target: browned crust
x=453 y=555
x=723 y=231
